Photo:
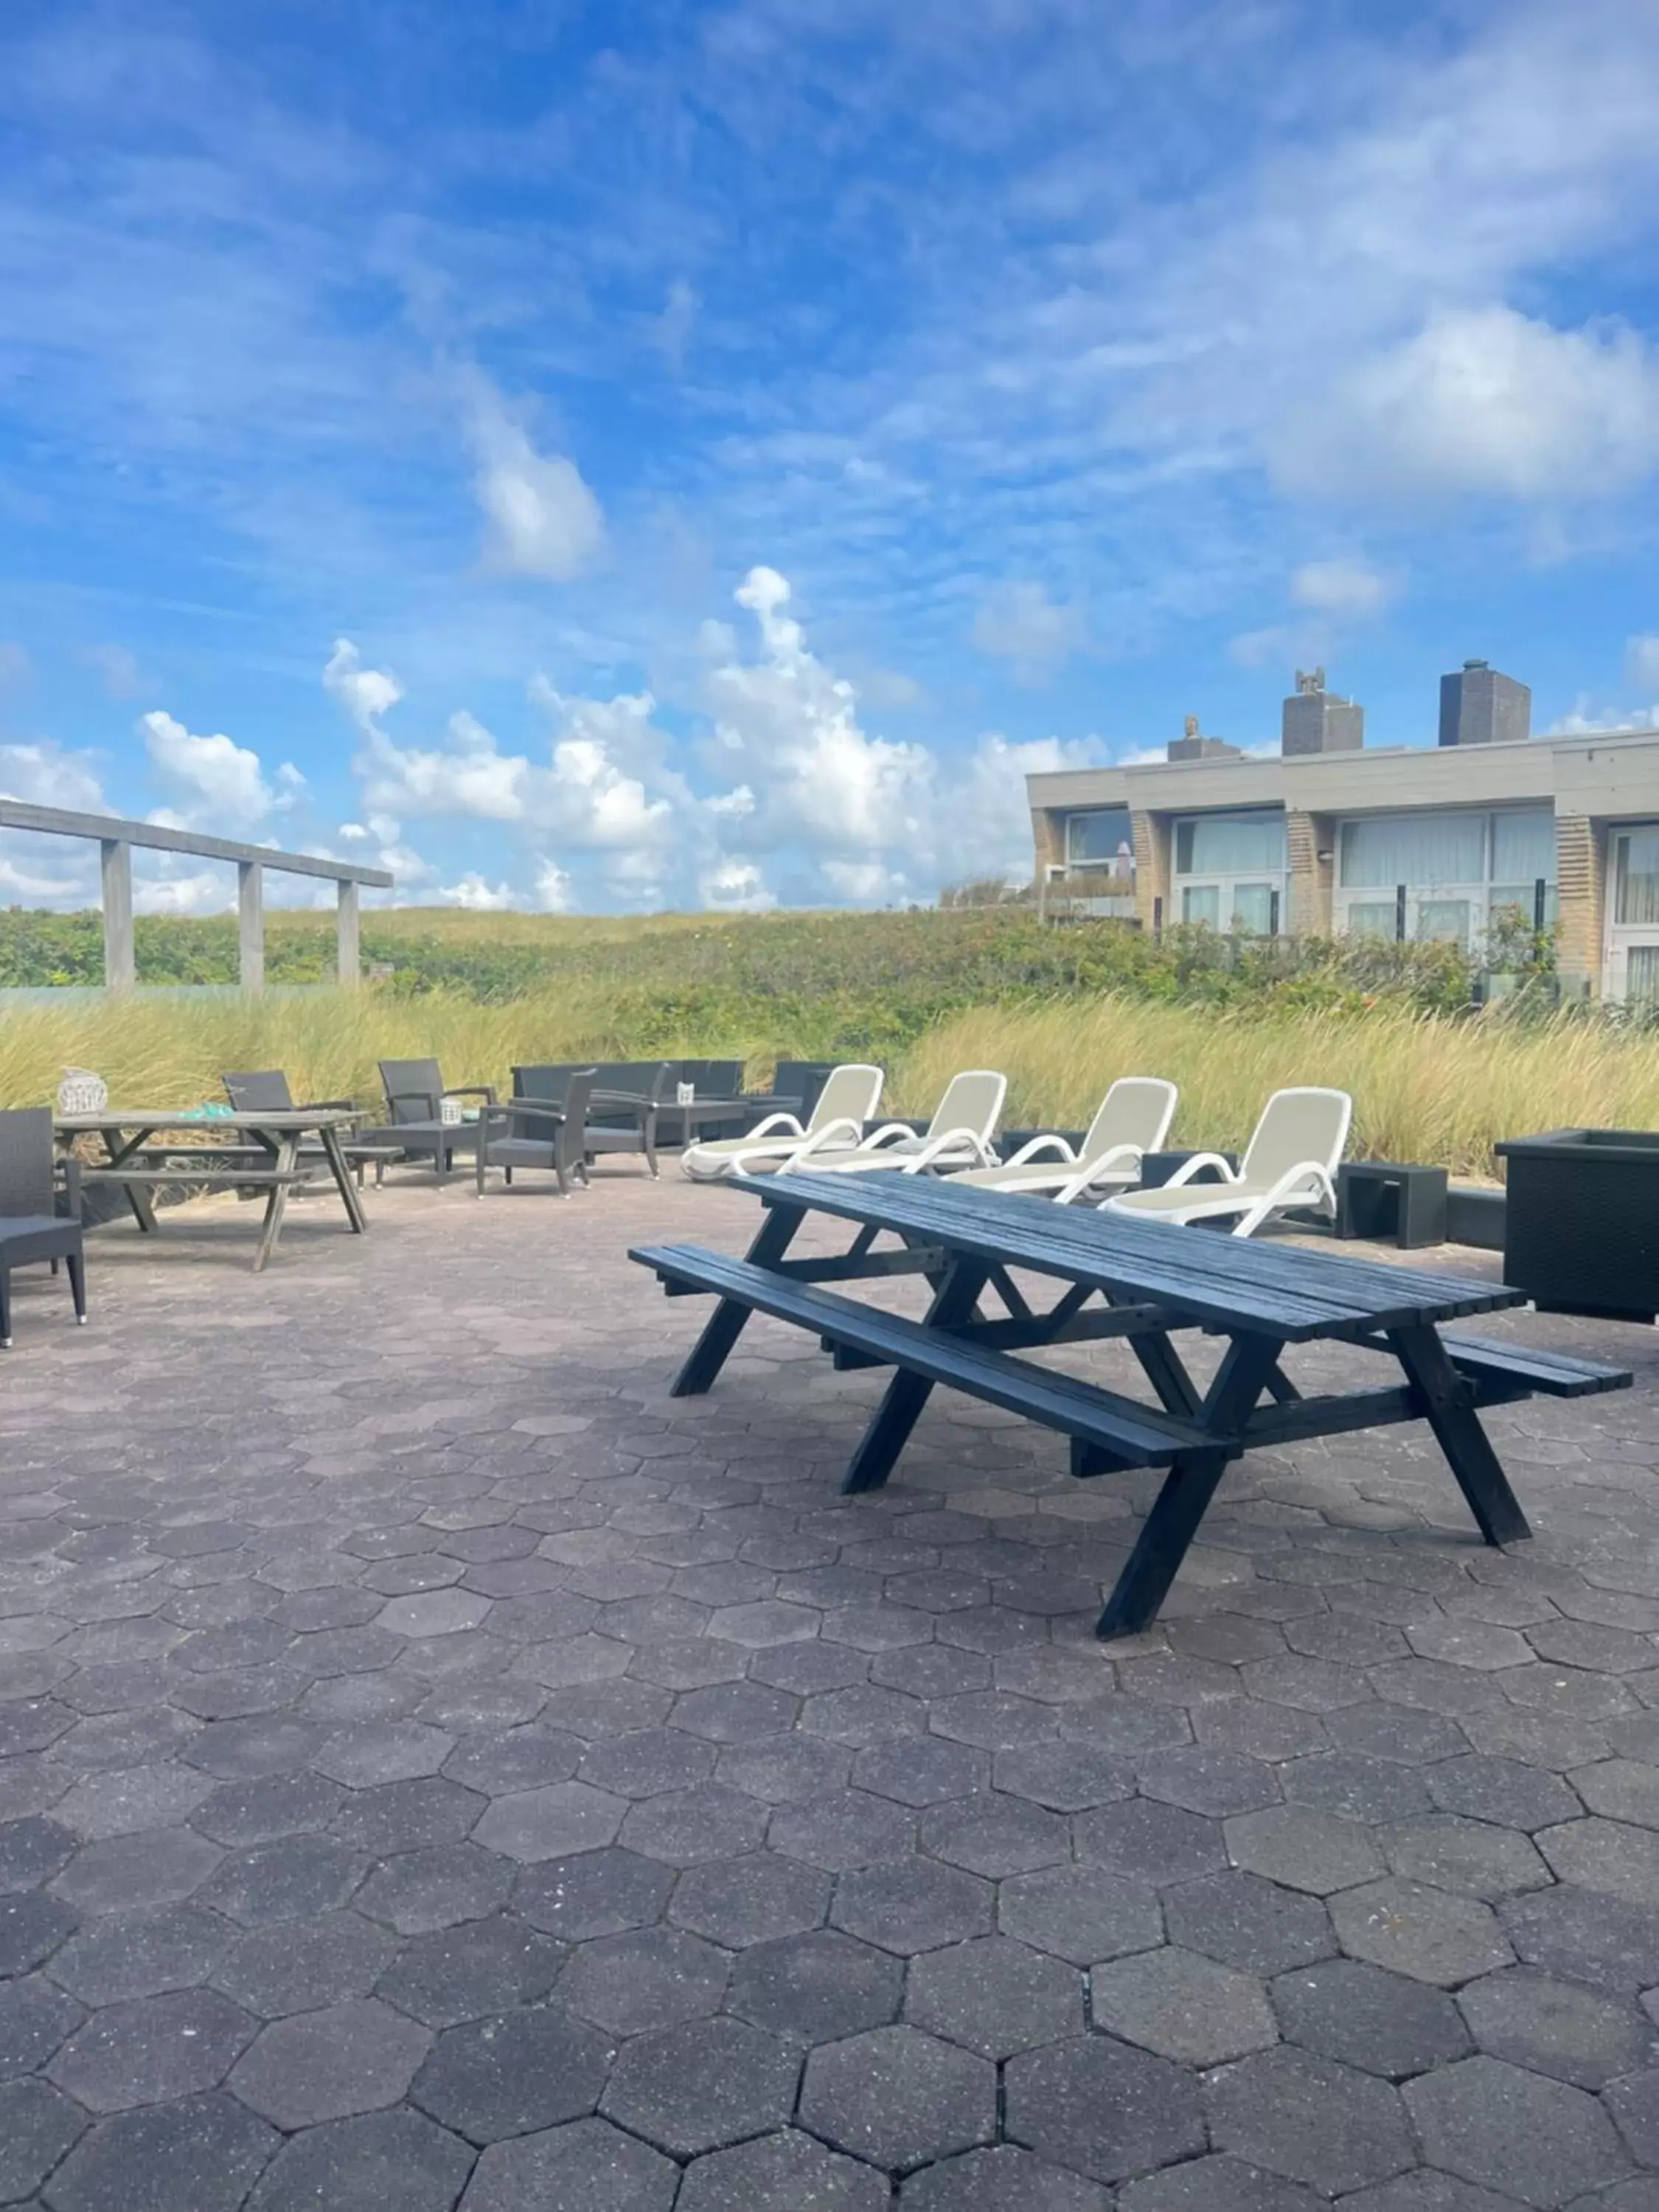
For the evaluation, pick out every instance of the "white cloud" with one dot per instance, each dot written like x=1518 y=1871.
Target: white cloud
x=478 y=895
x=1642 y=664
x=365 y=694
x=225 y=780
x=46 y=775
x=1018 y=622
x=735 y=887
x=543 y=520
x=208 y=890
x=1484 y=400
x=1351 y=588
x=555 y=892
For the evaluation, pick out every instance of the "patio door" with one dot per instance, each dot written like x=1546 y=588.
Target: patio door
x=1632 y=948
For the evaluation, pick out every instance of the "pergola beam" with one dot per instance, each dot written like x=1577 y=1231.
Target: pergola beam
x=58 y=822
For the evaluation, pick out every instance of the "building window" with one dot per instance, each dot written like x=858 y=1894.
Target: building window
x=1099 y=839
x=1451 y=873
x=1229 y=872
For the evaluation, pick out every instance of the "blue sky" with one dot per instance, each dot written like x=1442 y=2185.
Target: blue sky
x=702 y=453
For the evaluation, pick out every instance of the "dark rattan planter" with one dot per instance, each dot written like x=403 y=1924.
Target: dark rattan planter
x=1582 y=1221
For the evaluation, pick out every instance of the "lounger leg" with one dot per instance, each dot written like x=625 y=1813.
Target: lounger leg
x=76 y=1264
x=725 y=1324
x=907 y=1393
x=1188 y=1488
x=1448 y=1408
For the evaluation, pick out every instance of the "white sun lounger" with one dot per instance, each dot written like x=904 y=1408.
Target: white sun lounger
x=848 y=1099
x=959 y=1136
x=1134 y=1118
x=1291 y=1164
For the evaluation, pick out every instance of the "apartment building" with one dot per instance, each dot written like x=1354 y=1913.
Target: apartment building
x=1326 y=836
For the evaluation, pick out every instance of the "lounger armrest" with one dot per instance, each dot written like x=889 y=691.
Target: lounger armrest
x=950 y=1140
x=890 y=1133
x=775 y=1125
x=1036 y=1145
x=834 y=1135
x=1292 y=1188
x=1119 y=1164
x=1195 y=1166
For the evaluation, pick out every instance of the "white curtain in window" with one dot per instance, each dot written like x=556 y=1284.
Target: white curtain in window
x=1638 y=877
x=1523 y=847
x=1097 y=836
x=1414 y=849
x=1235 y=845
x=1373 y=918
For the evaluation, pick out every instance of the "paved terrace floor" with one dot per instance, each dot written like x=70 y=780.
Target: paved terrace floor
x=439 y=1769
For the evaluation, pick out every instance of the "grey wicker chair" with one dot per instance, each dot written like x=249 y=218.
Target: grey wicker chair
x=31 y=1228
x=538 y=1132
x=415 y=1092
x=623 y=1106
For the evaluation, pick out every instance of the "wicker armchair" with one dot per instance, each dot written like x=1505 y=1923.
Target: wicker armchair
x=31 y=1228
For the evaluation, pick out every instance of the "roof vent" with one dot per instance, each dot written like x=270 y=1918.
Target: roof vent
x=1193 y=746
x=1479 y=705
x=1315 y=720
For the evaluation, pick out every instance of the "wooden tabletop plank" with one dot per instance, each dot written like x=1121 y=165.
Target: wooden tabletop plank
x=1298 y=1295
x=283 y=1121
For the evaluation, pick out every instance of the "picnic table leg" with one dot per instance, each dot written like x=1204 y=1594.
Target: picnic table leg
x=276 y=1203
x=1448 y=1408
x=954 y=1302
x=1188 y=1488
x=118 y=1148
x=725 y=1324
x=342 y=1174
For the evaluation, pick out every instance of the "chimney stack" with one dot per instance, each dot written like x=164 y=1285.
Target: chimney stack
x=1315 y=720
x=1479 y=707
x=1193 y=746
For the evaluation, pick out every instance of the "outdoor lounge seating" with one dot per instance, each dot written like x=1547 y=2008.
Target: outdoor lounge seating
x=847 y=1102
x=1133 y=1119
x=1290 y=1167
x=415 y=1092
x=31 y=1228
x=518 y=1133
x=622 y=1107
x=959 y=1135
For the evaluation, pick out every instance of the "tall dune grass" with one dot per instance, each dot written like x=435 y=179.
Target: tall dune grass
x=1425 y=1088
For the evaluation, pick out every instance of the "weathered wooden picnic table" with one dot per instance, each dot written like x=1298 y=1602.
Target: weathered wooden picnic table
x=1140 y=1281
x=263 y=1155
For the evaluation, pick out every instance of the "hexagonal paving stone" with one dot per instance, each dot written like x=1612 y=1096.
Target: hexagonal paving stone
x=786 y=1770
x=237 y=1814
x=434 y=1613
x=585 y=2167
x=1103 y=2108
x=850 y=1828
x=383 y=1751
x=118 y=1802
x=1577 y=2034
x=37 y=2126
x=514 y=1759
x=358 y=2057
x=1361 y=2015
x=1002 y=2179
x=1470 y=1857
x=648 y=1763
x=1249 y=1923
x=293 y=1878
x=781 y=2172
x=140 y=1955
x=298 y=1965
x=1424 y=1933
x=1183 y=2006
x=994 y=1835
x=407 y=1816
x=1304 y=1848
x=1524 y=2136
x=514 y=2073
x=1228 y=2184
x=1621 y=1789
x=700 y=2086
x=994 y=1997
x=817 y=1988
x=368 y=2164
x=1310 y=2119
x=920 y=1771
x=897 y=2099
x=1202 y=1779
x=735 y=1712
x=1080 y=1913
x=418 y=1892
x=35 y=2018
x=753 y=1899
x=912 y=1905
x=1586 y=1937
x=1609 y=1855
x=686 y=1827
x=653 y=1978
x=31 y=1929
x=1068 y=1777
x=1354 y=1787
x=122 y=1872
x=152 y=2049
x=549 y=1824
x=593 y=1893
x=204 y=2151
x=1502 y=1790
x=456 y=1974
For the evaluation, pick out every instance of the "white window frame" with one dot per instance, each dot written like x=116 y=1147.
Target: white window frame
x=1477 y=893
x=1229 y=883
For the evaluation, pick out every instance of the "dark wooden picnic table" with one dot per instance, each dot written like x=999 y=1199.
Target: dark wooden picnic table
x=252 y=1150
x=1140 y=1281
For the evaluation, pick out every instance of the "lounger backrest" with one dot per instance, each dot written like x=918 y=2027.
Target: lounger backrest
x=851 y=1094
x=971 y=1100
x=1298 y=1126
x=259 y=1090
x=1137 y=1110
x=26 y=1171
x=414 y=1090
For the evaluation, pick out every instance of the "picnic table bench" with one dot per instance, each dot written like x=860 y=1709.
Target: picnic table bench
x=263 y=1156
x=1141 y=1283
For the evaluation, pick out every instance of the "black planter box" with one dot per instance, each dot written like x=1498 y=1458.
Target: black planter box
x=1582 y=1221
